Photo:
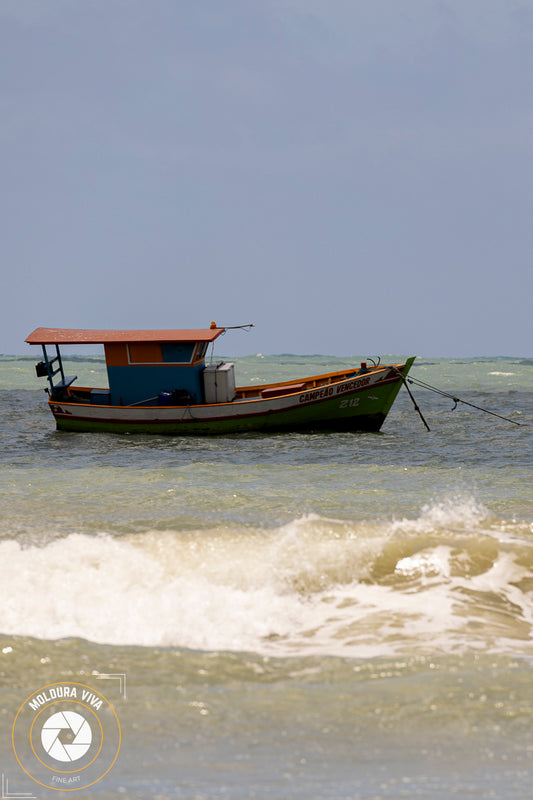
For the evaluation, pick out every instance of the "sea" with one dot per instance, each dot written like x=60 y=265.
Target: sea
x=311 y=616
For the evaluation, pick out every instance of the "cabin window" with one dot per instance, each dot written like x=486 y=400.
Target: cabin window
x=202 y=347
x=164 y=353
x=178 y=352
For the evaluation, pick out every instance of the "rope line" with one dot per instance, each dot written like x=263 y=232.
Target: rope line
x=402 y=376
x=457 y=400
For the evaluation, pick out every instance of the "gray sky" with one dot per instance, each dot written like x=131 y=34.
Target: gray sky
x=352 y=177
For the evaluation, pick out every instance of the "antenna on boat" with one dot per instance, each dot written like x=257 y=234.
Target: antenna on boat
x=228 y=328
x=233 y=327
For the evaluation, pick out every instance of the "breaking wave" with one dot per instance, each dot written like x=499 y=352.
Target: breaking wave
x=453 y=579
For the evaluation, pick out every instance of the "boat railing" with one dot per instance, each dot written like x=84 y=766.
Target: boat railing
x=288 y=387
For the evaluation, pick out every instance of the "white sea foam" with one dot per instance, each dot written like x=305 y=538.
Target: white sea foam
x=463 y=512
x=436 y=562
x=314 y=585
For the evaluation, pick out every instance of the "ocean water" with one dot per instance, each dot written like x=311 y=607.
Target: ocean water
x=310 y=616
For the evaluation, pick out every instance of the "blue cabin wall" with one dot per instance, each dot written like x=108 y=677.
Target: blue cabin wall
x=138 y=383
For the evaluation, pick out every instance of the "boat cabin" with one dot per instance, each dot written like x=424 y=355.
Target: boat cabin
x=144 y=367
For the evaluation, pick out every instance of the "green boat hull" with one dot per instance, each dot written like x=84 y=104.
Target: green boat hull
x=362 y=408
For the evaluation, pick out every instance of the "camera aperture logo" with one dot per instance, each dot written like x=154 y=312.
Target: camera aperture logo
x=66 y=736
x=77 y=743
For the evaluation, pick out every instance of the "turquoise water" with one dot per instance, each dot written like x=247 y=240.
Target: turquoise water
x=296 y=616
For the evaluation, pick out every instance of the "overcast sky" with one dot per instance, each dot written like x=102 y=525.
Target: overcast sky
x=352 y=177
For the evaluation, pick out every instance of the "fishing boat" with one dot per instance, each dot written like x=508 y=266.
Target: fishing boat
x=159 y=382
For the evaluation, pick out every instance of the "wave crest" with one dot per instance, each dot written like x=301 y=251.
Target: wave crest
x=453 y=579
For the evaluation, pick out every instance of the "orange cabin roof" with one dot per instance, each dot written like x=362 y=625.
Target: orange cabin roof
x=87 y=336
